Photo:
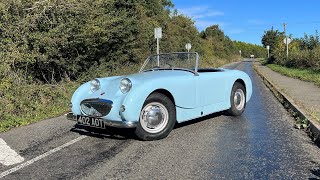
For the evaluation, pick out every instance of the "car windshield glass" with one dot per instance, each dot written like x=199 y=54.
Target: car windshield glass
x=181 y=60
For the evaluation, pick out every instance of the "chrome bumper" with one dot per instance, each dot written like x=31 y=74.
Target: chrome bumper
x=117 y=124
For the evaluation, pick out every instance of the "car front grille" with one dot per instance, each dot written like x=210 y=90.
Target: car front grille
x=96 y=107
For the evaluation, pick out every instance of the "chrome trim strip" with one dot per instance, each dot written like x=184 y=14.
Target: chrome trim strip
x=189 y=70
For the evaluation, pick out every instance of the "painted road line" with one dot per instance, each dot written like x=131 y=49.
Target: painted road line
x=8 y=156
x=20 y=166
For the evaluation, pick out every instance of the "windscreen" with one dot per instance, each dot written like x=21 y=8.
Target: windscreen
x=171 y=61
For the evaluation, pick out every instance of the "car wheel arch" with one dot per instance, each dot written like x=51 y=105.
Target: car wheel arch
x=241 y=82
x=166 y=93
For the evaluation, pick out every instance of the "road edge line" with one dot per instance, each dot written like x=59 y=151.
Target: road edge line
x=287 y=102
x=31 y=161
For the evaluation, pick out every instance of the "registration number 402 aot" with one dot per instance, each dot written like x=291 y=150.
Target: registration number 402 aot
x=91 y=121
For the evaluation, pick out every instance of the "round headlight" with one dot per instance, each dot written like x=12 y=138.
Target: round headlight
x=125 y=85
x=95 y=85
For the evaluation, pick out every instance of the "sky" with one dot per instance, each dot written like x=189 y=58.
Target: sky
x=246 y=21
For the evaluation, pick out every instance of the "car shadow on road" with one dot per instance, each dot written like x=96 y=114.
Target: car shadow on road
x=127 y=133
x=315 y=172
x=109 y=132
x=197 y=120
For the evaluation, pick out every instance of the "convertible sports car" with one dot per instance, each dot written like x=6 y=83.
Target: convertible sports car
x=168 y=89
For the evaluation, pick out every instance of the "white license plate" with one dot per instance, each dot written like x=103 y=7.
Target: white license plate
x=91 y=121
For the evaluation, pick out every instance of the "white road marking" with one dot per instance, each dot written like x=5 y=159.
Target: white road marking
x=8 y=156
x=20 y=166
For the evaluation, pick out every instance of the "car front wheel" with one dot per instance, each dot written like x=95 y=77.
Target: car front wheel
x=157 y=118
x=237 y=99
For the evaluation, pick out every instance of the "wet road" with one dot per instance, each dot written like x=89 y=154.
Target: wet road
x=261 y=144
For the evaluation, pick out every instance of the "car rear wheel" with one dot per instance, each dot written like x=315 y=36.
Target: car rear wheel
x=157 y=118
x=237 y=99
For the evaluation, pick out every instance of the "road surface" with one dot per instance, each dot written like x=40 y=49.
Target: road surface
x=261 y=144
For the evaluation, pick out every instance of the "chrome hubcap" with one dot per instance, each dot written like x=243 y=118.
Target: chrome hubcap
x=239 y=99
x=154 y=117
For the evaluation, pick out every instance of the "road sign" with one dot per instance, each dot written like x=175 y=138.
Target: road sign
x=287 y=40
x=268 y=47
x=188 y=46
x=158 y=33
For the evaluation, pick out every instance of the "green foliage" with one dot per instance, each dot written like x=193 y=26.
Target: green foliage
x=251 y=49
x=303 y=52
x=32 y=102
x=219 y=43
x=271 y=38
x=179 y=31
x=309 y=42
x=56 y=39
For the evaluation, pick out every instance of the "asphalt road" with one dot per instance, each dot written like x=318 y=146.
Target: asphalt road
x=261 y=144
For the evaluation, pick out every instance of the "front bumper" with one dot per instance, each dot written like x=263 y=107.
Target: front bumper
x=117 y=124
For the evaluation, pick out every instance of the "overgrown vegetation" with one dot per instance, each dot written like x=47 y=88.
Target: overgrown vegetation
x=49 y=47
x=303 y=61
x=303 y=52
x=250 y=49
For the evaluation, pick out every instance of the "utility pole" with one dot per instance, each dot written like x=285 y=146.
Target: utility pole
x=287 y=44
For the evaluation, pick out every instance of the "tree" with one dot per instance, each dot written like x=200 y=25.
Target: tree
x=221 y=45
x=248 y=49
x=270 y=38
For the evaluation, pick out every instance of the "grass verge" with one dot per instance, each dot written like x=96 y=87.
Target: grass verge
x=28 y=103
x=302 y=74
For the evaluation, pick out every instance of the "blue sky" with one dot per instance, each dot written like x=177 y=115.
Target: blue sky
x=245 y=20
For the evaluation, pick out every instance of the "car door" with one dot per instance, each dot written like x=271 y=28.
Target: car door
x=183 y=89
x=211 y=88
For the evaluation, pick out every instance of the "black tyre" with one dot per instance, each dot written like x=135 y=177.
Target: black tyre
x=157 y=118
x=237 y=99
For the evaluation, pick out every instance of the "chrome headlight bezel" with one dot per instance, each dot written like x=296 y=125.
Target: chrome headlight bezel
x=125 y=85
x=95 y=85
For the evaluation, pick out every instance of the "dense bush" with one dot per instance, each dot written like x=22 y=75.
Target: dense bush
x=303 y=52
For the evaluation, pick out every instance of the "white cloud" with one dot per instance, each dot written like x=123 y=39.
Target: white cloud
x=202 y=24
x=199 y=12
x=202 y=15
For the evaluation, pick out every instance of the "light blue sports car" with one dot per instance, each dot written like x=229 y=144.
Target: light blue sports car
x=168 y=89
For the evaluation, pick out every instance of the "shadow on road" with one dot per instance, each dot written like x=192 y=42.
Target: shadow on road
x=197 y=120
x=127 y=133
x=315 y=172
x=109 y=132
